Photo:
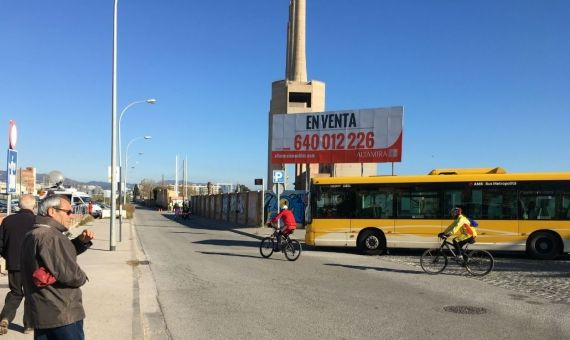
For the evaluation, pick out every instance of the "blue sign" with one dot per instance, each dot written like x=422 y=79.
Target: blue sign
x=278 y=176
x=11 y=171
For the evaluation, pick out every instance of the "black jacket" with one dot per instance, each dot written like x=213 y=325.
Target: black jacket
x=61 y=303
x=12 y=232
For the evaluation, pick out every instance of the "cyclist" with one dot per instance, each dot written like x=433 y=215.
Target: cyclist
x=461 y=227
x=289 y=223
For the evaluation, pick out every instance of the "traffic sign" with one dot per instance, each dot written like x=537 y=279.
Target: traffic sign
x=278 y=176
x=13 y=135
x=12 y=166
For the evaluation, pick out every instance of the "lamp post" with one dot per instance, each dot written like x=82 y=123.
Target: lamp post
x=113 y=131
x=148 y=101
x=127 y=162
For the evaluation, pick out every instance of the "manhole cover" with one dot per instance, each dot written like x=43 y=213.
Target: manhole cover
x=137 y=263
x=465 y=309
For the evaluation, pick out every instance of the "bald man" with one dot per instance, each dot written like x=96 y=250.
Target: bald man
x=12 y=231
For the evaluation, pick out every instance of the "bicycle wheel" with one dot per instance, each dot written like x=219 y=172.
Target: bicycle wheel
x=479 y=262
x=433 y=261
x=266 y=247
x=292 y=250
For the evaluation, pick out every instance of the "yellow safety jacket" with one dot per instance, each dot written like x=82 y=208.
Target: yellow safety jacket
x=461 y=227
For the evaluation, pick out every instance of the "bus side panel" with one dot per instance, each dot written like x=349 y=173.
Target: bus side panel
x=499 y=235
x=415 y=233
x=562 y=228
x=328 y=232
x=357 y=225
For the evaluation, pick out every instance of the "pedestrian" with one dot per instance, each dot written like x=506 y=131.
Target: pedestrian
x=90 y=208
x=50 y=273
x=12 y=232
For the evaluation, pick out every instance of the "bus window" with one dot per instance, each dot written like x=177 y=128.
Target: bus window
x=334 y=203
x=537 y=205
x=373 y=204
x=418 y=205
x=565 y=207
x=493 y=204
x=452 y=198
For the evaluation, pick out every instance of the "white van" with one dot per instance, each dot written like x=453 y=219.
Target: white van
x=78 y=199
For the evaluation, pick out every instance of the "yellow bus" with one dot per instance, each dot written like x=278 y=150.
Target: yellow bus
x=519 y=211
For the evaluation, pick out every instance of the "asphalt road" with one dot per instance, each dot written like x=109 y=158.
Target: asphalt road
x=212 y=283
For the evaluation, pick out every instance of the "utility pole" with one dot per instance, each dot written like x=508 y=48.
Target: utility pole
x=176 y=178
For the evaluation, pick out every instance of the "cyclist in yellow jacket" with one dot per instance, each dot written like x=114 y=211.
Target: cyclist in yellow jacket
x=461 y=227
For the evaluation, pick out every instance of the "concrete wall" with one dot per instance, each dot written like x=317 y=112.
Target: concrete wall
x=245 y=208
x=242 y=208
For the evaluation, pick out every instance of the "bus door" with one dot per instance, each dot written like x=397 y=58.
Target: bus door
x=417 y=219
x=495 y=209
x=373 y=209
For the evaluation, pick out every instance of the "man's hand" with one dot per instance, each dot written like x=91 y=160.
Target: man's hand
x=87 y=235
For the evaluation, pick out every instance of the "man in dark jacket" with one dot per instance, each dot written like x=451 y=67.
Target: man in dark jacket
x=53 y=302
x=12 y=232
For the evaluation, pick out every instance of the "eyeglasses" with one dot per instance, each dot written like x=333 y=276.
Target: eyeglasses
x=68 y=212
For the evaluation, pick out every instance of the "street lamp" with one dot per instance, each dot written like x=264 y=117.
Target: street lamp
x=127 y=162
x=148 y=101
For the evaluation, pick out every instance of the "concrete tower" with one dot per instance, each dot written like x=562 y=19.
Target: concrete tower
x=297 y=95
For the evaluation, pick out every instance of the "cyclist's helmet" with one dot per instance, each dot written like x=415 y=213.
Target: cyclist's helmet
x=456 y=211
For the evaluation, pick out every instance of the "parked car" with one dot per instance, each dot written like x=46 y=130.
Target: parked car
x=3 y=207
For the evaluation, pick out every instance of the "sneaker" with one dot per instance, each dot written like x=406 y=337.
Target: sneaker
x=4 y=326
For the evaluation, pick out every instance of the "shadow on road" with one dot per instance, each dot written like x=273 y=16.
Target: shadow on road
x=236 y=255
x=229 y=243
x=380 y=269
x=186 y=232
x=197 y=222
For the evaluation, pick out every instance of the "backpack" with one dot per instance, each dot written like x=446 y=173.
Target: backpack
x=474 y=223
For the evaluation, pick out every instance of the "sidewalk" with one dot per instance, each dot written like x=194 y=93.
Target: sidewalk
x=111 y=296
x=120 y=299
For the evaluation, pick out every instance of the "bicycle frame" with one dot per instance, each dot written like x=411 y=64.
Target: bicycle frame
x=450 y=246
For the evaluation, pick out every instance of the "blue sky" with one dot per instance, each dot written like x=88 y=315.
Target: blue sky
x=483 y=83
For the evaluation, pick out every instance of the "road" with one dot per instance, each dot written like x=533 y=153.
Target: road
x=212 y=283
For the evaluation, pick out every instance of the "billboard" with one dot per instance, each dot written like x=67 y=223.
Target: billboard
x=349 y=136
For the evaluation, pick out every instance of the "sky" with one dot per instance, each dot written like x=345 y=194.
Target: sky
x=483 y=83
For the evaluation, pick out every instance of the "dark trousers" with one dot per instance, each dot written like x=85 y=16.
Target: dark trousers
x=72 y=331
x=14 y=297
x=459 y=244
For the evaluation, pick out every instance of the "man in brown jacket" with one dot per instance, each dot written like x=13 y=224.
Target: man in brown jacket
x=54 y=307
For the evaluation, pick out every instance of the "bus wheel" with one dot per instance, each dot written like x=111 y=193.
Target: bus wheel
x=543 y=245
x=372 y=242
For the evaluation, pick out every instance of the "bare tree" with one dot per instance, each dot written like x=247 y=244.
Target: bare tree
x=146 y=186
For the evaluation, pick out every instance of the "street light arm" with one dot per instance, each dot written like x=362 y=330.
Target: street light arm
x=149 y=101
x=127 y=161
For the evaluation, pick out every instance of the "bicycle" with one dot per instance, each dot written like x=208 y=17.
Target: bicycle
x=291 y=248
x=477 y=262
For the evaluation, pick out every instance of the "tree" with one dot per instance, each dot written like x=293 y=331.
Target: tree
x=242 y=188
x=136 y=191
x=145 y=187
